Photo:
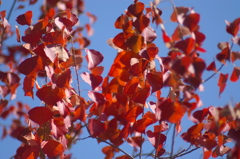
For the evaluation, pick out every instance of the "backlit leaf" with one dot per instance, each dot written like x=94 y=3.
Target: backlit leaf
x=136 y=8
x=178 y=13
x=28 y=85
x=135 y=43
x=40 y=115
x=96 y=127
x=212 y=67
x=141 y=23
x=233 y=28
x=141 y=95
x=224 y=55
x=133 y=113
x=235 y=74
x=94 y=58
x=222 y=82
x=191 y=21
x=92 y=80
x=52 y=148
x=155 y=79
x=51 y=95
x=186 y=45
x=25 y=19
x=156 y=139
x=141 y=124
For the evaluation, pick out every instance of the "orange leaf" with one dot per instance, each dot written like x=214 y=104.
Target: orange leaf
x=136 y=8
x=179 y=11
x=135 y=43
x=141 y=124
x=133 y=113
x=222 y=82
x=52 y=148
x=40 y=115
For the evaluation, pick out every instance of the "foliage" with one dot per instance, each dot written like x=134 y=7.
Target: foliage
x=126 y=106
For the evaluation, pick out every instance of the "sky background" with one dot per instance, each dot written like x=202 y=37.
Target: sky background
x=212 y=23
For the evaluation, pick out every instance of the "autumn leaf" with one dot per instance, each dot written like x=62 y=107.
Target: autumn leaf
x=50 y=95
x=155 y=79
x=96 y=127
x=212 y=67
x=233 y=28
x=136 y=8
x=52 y=148
x=235 y=74
x=40 y=115
x=133 y=113
x=222 y=82
x=25 y=19
x=93 y=80
x=94 y=58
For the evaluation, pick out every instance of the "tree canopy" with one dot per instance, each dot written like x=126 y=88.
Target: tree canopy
x=151 y=92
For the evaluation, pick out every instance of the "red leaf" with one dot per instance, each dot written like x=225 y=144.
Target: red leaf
x=136 y=141
x=186 y=45
x=40 y=115
x=155 y=79
x=224 y=55
x=235 y=74
x=141 y=124
x=56 y=38
x=131 y=86
x=52 y=148
x=180 y=32
x=93 y=80
x=136 y=8
x=94 y=58
x=139 y=67
x=170 y=111
x=201 y=114
x=63 y=79
x=156 y=139
x=97 y=97
x=96 y=127
x=191 y=21
x=212 y=67
x=80 y=113
x=141 y=23
x=233 y=27
x=25 y=19
x=220 y=151
x=31 y=66
x=222 y=82
x=133 y=113
x=51 y=95
x=28 y=85
x=141 y=95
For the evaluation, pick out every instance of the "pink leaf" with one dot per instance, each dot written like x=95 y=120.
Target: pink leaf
x=94 y=58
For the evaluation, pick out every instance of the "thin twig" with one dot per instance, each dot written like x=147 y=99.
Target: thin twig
x=218 y=68
x=114 y=147
x=180 y=154
x=173 y=141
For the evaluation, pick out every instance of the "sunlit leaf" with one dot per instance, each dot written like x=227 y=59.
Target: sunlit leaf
x=141 y=124
x=96 y=127
x=40 y=115
x=222 y=82
x=94 y=58
x=133 y=113
x=155 y=79
x=50 y=95
x=136 y=8
x=191 y=21
x=52 y=148
x=141 y=95
x=212 y=67
x=233 y=28
x=25 y=19
x=93 y=80
x=235 y=74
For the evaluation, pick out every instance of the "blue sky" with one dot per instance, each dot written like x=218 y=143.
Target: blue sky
x=212 y=24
